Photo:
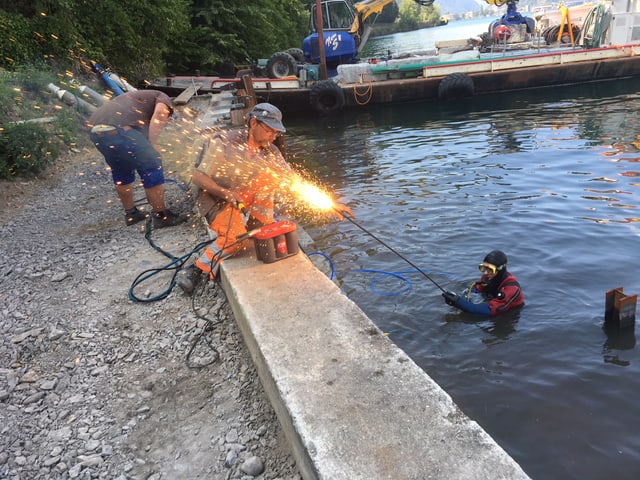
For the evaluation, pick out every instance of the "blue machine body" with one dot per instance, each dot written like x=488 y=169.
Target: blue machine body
x=339 y=47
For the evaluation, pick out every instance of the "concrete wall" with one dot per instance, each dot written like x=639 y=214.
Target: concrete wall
x=352 y=404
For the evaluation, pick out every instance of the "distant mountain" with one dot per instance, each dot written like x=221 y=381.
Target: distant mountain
x=457 y=7
x=448 y=7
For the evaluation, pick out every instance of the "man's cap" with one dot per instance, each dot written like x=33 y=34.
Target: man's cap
x=270 y=115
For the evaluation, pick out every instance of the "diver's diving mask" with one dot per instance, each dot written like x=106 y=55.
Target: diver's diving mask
x=488 y=268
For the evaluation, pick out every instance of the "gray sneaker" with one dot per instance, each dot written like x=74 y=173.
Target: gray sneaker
x=188 y=278
x=167 y=219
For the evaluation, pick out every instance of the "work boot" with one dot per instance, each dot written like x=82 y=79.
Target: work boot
x=167 y=219
x=131 y=218
x=188 y=278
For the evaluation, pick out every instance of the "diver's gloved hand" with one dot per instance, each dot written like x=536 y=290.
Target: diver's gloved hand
x=451 y=298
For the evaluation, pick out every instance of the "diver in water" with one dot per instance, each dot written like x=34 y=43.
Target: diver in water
x=498 y=286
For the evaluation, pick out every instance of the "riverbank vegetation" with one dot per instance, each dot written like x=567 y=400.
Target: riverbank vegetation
x=143 y=39
x=35 y=127
x=59 y=41
x=409 y=16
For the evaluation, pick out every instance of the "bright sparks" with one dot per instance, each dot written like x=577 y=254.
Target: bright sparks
x=312 y=195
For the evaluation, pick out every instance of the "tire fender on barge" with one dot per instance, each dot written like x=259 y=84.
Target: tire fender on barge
x=456 y=85
x=326 y=96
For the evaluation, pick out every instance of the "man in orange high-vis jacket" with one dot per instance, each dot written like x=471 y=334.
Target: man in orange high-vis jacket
x=238 y=171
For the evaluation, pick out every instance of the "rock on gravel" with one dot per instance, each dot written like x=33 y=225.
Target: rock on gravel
x=95 y=385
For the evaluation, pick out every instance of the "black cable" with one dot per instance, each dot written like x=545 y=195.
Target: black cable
x=175 y=264
x=210 y=324
x=348 y=217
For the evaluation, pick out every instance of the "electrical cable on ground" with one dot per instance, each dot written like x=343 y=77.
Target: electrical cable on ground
x=208 y=327
x=175 y=264
x=209 y=323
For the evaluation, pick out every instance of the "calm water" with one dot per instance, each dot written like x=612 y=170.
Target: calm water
x=424 y=39
x=553 y=179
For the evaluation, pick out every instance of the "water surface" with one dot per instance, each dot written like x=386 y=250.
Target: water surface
x=552 y=178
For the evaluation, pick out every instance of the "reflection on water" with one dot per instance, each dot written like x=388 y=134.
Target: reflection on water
x=495 y=330
x=551 y=178
x=618 y=339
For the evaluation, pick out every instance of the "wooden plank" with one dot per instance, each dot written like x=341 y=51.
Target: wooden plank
x=186 y=94
x=251 y=94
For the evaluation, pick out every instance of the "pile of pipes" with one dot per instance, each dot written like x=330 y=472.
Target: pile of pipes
x=87 y=100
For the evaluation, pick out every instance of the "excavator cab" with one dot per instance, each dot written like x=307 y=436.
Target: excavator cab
x=340 y=45
x=344 y=30
x=336 y=15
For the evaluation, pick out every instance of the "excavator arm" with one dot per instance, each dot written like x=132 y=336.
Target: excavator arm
x=364 y=10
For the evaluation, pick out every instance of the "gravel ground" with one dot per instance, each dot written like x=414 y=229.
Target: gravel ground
x=94 y=385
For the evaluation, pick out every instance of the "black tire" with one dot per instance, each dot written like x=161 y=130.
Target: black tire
x=297 y=54
x=281 y=65
x=456 y=85
x=326 y=97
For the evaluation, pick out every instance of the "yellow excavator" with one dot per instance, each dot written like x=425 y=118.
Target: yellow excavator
x=344 y=27
x=345 y=31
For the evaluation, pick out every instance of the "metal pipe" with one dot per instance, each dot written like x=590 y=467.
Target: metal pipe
x=92 y=94
x=72 y=100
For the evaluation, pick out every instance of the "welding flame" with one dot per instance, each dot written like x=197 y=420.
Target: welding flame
x=312 y=195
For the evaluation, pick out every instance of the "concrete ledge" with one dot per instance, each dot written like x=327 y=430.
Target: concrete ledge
x=352 y=404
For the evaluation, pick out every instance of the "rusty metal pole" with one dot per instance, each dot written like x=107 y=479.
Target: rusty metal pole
x=323 y=63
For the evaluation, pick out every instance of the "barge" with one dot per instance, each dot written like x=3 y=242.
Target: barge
x=513 y=61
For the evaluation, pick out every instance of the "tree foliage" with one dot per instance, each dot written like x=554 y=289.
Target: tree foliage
x=389 y=13
x=238 y=30
x=144 y=38
x=413 y=16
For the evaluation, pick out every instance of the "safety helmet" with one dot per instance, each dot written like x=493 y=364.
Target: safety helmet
x=495 y=261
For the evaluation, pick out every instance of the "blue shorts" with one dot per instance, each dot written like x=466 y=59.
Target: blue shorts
x=128 y=152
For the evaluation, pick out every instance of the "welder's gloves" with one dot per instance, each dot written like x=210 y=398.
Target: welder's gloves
x=451 y=298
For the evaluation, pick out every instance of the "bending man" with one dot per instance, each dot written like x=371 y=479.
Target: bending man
x=125 y=130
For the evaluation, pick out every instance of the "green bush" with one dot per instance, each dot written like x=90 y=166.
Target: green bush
x=7 y=100
x=17 y=40
x=65 y=126
x=34 y=78
x=26 y=149
x=24 y=94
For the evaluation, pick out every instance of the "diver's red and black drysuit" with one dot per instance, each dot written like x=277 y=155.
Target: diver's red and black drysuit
x=503 y=293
